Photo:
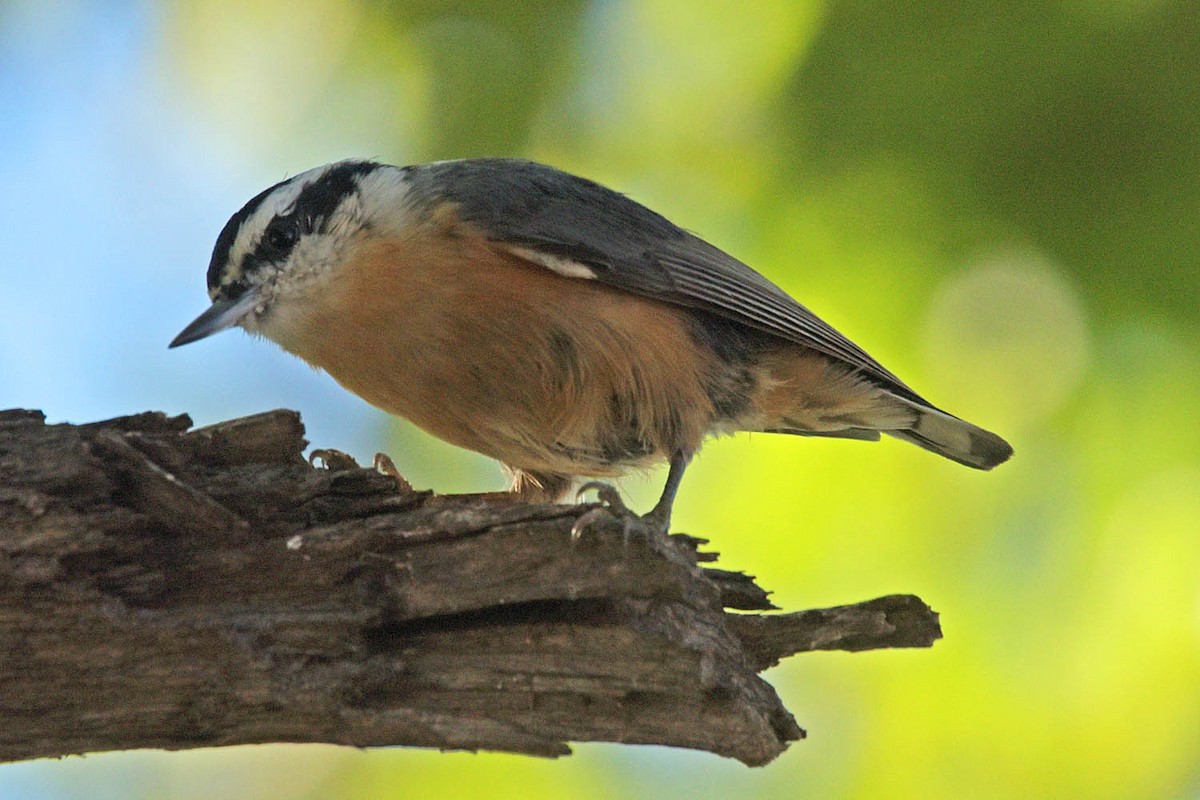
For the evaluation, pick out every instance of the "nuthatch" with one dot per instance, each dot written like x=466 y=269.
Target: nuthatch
x=548 y=322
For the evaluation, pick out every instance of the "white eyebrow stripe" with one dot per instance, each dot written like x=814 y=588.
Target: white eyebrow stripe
x=566 y=267
x=276 y=203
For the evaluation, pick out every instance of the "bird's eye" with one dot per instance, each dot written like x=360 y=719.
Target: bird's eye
x=279 y=239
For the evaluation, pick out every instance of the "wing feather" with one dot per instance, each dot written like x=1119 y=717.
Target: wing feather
x=526 y=206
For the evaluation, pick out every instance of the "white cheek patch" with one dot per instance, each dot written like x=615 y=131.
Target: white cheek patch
x=383 y=201
x=568 y=268
x=288 y=291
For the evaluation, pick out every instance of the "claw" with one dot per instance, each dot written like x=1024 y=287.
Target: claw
x=385 y=466
x=586 y=521
x=332 y=460
x=614 y=507
x=607 y=494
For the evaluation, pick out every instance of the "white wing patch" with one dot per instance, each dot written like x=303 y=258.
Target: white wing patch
x=566 y=267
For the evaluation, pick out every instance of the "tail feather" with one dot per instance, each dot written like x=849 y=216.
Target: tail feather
x=859 y=434
x=810 y=395
x=953 y=438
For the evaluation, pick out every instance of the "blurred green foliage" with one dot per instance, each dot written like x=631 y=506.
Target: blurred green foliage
x=998 y=200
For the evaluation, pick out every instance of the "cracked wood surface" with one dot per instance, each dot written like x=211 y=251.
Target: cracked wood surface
x=174 y=588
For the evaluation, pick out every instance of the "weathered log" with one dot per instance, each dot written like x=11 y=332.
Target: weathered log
x=174 y=588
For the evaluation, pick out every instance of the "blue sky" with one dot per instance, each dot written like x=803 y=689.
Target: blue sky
x=114 y=199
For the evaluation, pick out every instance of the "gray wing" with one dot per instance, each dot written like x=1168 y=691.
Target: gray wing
x=628 y=246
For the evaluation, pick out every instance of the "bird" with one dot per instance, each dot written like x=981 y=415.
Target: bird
x=549 y=322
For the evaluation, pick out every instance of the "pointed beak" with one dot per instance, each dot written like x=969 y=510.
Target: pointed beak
x=221 y=315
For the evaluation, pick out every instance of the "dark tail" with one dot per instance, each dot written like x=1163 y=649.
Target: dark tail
x=953 y=438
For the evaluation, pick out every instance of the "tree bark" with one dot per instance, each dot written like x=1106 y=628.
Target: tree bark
x=173 y=588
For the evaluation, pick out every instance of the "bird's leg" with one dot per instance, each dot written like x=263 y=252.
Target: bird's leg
x=657 y=521
x=527 y=487
x=660 y=515
x=531 y=486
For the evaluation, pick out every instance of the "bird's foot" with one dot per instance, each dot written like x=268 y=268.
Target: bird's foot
x=332 y=460
x=612 y=506
x=384 y=465
x=337 y=461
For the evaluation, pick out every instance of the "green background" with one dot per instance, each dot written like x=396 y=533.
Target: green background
x=998 y=200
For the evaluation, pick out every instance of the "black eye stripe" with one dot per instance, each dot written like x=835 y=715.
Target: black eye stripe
x=221 y=250
x=279 y=238
x=313 y=207
x=315 y=204
x=321 y=198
